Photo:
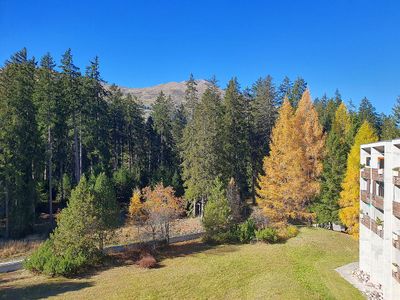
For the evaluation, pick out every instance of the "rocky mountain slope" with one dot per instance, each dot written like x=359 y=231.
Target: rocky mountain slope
x=176 y=90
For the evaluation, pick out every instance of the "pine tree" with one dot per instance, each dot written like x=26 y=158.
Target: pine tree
x=367 y=112
x=334 y=167
x=281 y=194
x=264 y=106
x=389 y=130
x=349 y=197
x=202 y=153
x=326 y=109
x=235 y=135
x=71 y=93
x=235 y=202
x=94 y=121
x=46 y=98
x=191 y=97
x=396 y=111
x=19 y=141
x=312 y=142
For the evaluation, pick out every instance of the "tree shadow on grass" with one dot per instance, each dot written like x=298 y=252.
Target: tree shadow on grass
x=41 y=290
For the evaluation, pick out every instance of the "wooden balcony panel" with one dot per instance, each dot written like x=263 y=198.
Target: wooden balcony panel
x=396 y=244
x=377 y=201
x=371 y=224
x=366 y=173
x=396 y=209
x=396 y=180
x=396 y=275
x=365 y=196
x=376 y=176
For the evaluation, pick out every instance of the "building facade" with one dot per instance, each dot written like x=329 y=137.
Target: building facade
x=380 y=215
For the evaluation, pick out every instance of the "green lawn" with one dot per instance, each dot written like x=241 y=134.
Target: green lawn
x=302 y=268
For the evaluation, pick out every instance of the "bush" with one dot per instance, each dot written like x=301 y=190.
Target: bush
x=147 y=261
x=287 y=232
x=46 y=261
x=217 y=218
x=269 y=235
x=246 y=232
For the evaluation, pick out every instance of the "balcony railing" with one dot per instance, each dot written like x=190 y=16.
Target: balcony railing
x=365 y=196
x=396 y=272
x=377 y=201
x=396 y=240
x=377 y=174
x=366 y=173
x=371 y=224
x=396 y=209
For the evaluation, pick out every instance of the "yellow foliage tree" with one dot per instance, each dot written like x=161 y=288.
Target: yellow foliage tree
x=312 y=141
x=281 y=194
x=342 y=122
x=349 y=197
x=136 y=206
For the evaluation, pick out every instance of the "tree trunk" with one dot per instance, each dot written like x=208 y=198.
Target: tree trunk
x=76 y=149
x=7 y=211
x=50 y=178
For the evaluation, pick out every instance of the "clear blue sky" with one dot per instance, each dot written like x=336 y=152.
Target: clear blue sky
x=350 y=45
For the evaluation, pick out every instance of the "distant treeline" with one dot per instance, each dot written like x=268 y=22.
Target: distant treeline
x=57 y=123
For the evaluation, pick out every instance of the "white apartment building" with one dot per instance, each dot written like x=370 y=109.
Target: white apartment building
x=380 y=215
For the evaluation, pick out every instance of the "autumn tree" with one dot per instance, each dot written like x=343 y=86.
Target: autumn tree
x=349 y=197
x=281 y=192
x=160 y=207
x=312 y=140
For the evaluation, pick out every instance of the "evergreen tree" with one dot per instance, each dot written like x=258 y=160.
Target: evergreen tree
x=94 y=122
x=264 y=106
x=191 y=98
x=367 y=112
x=217 y=219
x=71 y=93
x=326 y=109
x=350 y=194
x=334 y=167
x=235 y=135
x=235 y=202
x=389 y=130
x=396 y=111
x=46 y=98
x=202 y=153
x=19 y=141
x=281 y=191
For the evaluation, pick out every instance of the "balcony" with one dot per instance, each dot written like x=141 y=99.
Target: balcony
x=365 y=196
x=377 y=201
x=371 y=224
x=396 y=240
x=396 y=272
x=396 y=209
x=377 y=174
x=366 y=173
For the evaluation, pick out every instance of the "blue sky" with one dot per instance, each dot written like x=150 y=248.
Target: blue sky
x=346 y=44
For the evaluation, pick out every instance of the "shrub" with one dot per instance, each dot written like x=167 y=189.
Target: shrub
x=217 y=218
x=147 y=261
x=246 y=231
x=46 y=261
x=287 y=232
x=82 y=227
x=259 y=218
x=269 y=235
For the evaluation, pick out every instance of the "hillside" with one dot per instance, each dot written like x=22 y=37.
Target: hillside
x=175 y=89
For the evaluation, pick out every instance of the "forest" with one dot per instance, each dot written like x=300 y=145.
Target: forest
x=59 y=124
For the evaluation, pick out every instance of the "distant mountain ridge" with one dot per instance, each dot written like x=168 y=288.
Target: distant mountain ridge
x=176 y=90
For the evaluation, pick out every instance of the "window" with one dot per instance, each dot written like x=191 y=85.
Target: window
x=381 y=189
x=381 y=163
x=368 y=162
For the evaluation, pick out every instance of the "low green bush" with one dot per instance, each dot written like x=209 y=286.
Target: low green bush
x=46 y=261
x=246 y=232
x=269 y=235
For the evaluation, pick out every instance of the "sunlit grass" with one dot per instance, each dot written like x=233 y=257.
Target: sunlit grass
x=302 y=268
